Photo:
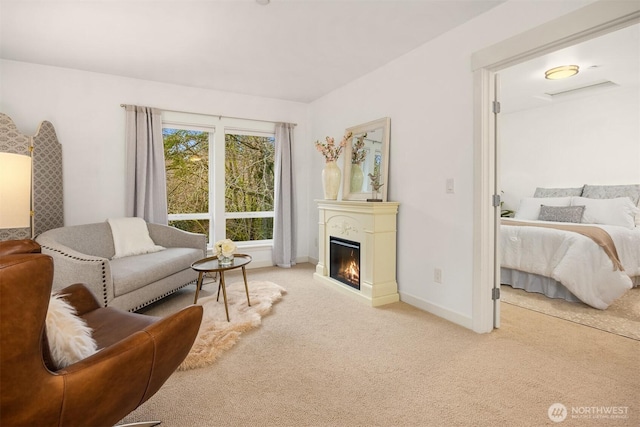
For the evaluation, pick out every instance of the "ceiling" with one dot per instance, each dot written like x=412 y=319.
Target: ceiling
x=295 y=50
x=614 y=58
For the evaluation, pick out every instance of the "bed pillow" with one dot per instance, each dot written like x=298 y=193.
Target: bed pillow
x=68 y=335
x=557 y=192
x=561 y=213
x=131 y=237
x=530 y=206
x=619 y=211
x=612 y=192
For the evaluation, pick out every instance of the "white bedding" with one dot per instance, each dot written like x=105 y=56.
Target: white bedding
x=574 y=260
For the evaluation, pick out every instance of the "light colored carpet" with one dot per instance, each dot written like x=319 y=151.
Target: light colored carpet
x=322 y=358
x=621 y=318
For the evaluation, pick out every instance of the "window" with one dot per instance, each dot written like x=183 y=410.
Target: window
x=220 y=176
x=249 y=164
x=186 y=153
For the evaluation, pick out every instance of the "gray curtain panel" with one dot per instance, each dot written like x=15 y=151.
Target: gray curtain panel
x=284 y=236
x=146 y=185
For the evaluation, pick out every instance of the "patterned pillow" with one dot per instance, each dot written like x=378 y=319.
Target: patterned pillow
x=557 y=192
x=561 y=213
x=612 y=191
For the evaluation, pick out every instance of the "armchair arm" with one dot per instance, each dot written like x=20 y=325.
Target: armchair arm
x=72 y=266
x=173 y=336
x=172 y=237
x=130 y=371
x=120 y=372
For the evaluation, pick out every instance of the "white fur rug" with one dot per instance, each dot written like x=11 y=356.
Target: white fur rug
x=216 y=334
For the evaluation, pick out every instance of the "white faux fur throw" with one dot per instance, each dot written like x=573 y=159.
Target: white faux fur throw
x=68 y=335
x=131 y=237
x=216 y=334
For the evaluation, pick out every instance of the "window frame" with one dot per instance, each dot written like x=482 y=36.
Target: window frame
x=218 y=127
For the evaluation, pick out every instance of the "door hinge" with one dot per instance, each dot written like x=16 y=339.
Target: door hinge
x=495 y=293
x=496 y=107
x=495 y=200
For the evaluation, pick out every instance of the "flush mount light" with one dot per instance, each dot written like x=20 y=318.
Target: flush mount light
x=561 y=72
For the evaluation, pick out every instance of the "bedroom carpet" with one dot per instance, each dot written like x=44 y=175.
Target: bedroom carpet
x=621 y=318
x=322 y=358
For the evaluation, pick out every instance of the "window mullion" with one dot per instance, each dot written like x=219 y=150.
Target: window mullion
x=217 y=184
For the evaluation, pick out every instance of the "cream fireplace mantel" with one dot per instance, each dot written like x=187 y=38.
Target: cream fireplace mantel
x=373 y=226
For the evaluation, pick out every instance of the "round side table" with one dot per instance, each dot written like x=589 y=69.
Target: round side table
x=211 y=265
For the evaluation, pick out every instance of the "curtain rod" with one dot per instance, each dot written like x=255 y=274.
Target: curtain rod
x=219 y=116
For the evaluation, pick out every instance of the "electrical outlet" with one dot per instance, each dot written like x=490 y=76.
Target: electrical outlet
x=437 y=275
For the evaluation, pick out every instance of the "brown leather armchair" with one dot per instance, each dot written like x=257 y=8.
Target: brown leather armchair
x=138 y=353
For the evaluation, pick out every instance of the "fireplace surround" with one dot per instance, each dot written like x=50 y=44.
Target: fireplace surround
x=369 y=227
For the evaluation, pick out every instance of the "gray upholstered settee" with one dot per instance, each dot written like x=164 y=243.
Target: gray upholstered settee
x=83 y=254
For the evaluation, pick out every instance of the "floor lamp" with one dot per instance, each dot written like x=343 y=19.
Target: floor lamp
x=15 y=191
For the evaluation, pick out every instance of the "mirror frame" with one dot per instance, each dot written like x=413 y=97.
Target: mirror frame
x=385 y=124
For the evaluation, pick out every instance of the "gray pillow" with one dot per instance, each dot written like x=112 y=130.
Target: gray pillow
x=557 y=192
x=631 y=191
x=561 y=213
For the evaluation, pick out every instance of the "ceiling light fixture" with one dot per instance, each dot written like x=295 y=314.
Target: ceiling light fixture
x=561 y=72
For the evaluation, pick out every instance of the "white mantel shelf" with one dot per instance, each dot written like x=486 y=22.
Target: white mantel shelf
x=373 y=225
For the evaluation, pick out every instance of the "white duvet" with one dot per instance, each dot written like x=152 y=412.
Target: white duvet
x=574 y=260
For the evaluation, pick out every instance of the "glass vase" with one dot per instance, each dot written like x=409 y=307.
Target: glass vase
x=225 y=260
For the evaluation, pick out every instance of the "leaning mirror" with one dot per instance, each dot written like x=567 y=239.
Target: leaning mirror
x=366 y=162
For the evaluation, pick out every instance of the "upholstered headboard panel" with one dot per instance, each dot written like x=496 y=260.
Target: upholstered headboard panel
x=47 y=175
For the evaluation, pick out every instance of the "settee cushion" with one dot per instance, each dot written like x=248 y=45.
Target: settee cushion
x=134 y=272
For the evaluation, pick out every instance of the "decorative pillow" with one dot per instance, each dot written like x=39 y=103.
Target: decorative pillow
x=619 y=211
x=561 y=213
x=131 y=237
x=557 y=192
x=530 y=207
x=68 y=335
x=631 y=191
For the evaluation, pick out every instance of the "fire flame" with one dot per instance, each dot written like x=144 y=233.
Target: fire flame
x=352 y=272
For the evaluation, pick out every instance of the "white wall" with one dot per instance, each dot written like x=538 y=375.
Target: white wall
x=85 y=110
x=593 y=140
x=428 y=94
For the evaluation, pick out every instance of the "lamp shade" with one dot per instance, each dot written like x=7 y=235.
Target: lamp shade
x=15 y=191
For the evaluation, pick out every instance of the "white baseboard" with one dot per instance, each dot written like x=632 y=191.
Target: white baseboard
x=445 y=313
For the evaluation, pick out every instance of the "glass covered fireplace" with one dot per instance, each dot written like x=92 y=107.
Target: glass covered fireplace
x=344 y=264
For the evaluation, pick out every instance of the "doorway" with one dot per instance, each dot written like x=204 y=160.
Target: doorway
x=589 y=22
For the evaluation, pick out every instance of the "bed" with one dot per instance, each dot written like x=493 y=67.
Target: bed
x=578 y=244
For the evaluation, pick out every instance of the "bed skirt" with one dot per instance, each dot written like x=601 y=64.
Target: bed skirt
x=535 y=283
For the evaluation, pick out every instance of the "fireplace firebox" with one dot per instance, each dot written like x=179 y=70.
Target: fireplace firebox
x=344 y=257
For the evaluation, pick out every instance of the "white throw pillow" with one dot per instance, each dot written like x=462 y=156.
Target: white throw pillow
x=68 y=335
x=619 y=211
x=131 y=237
x=530 y=207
